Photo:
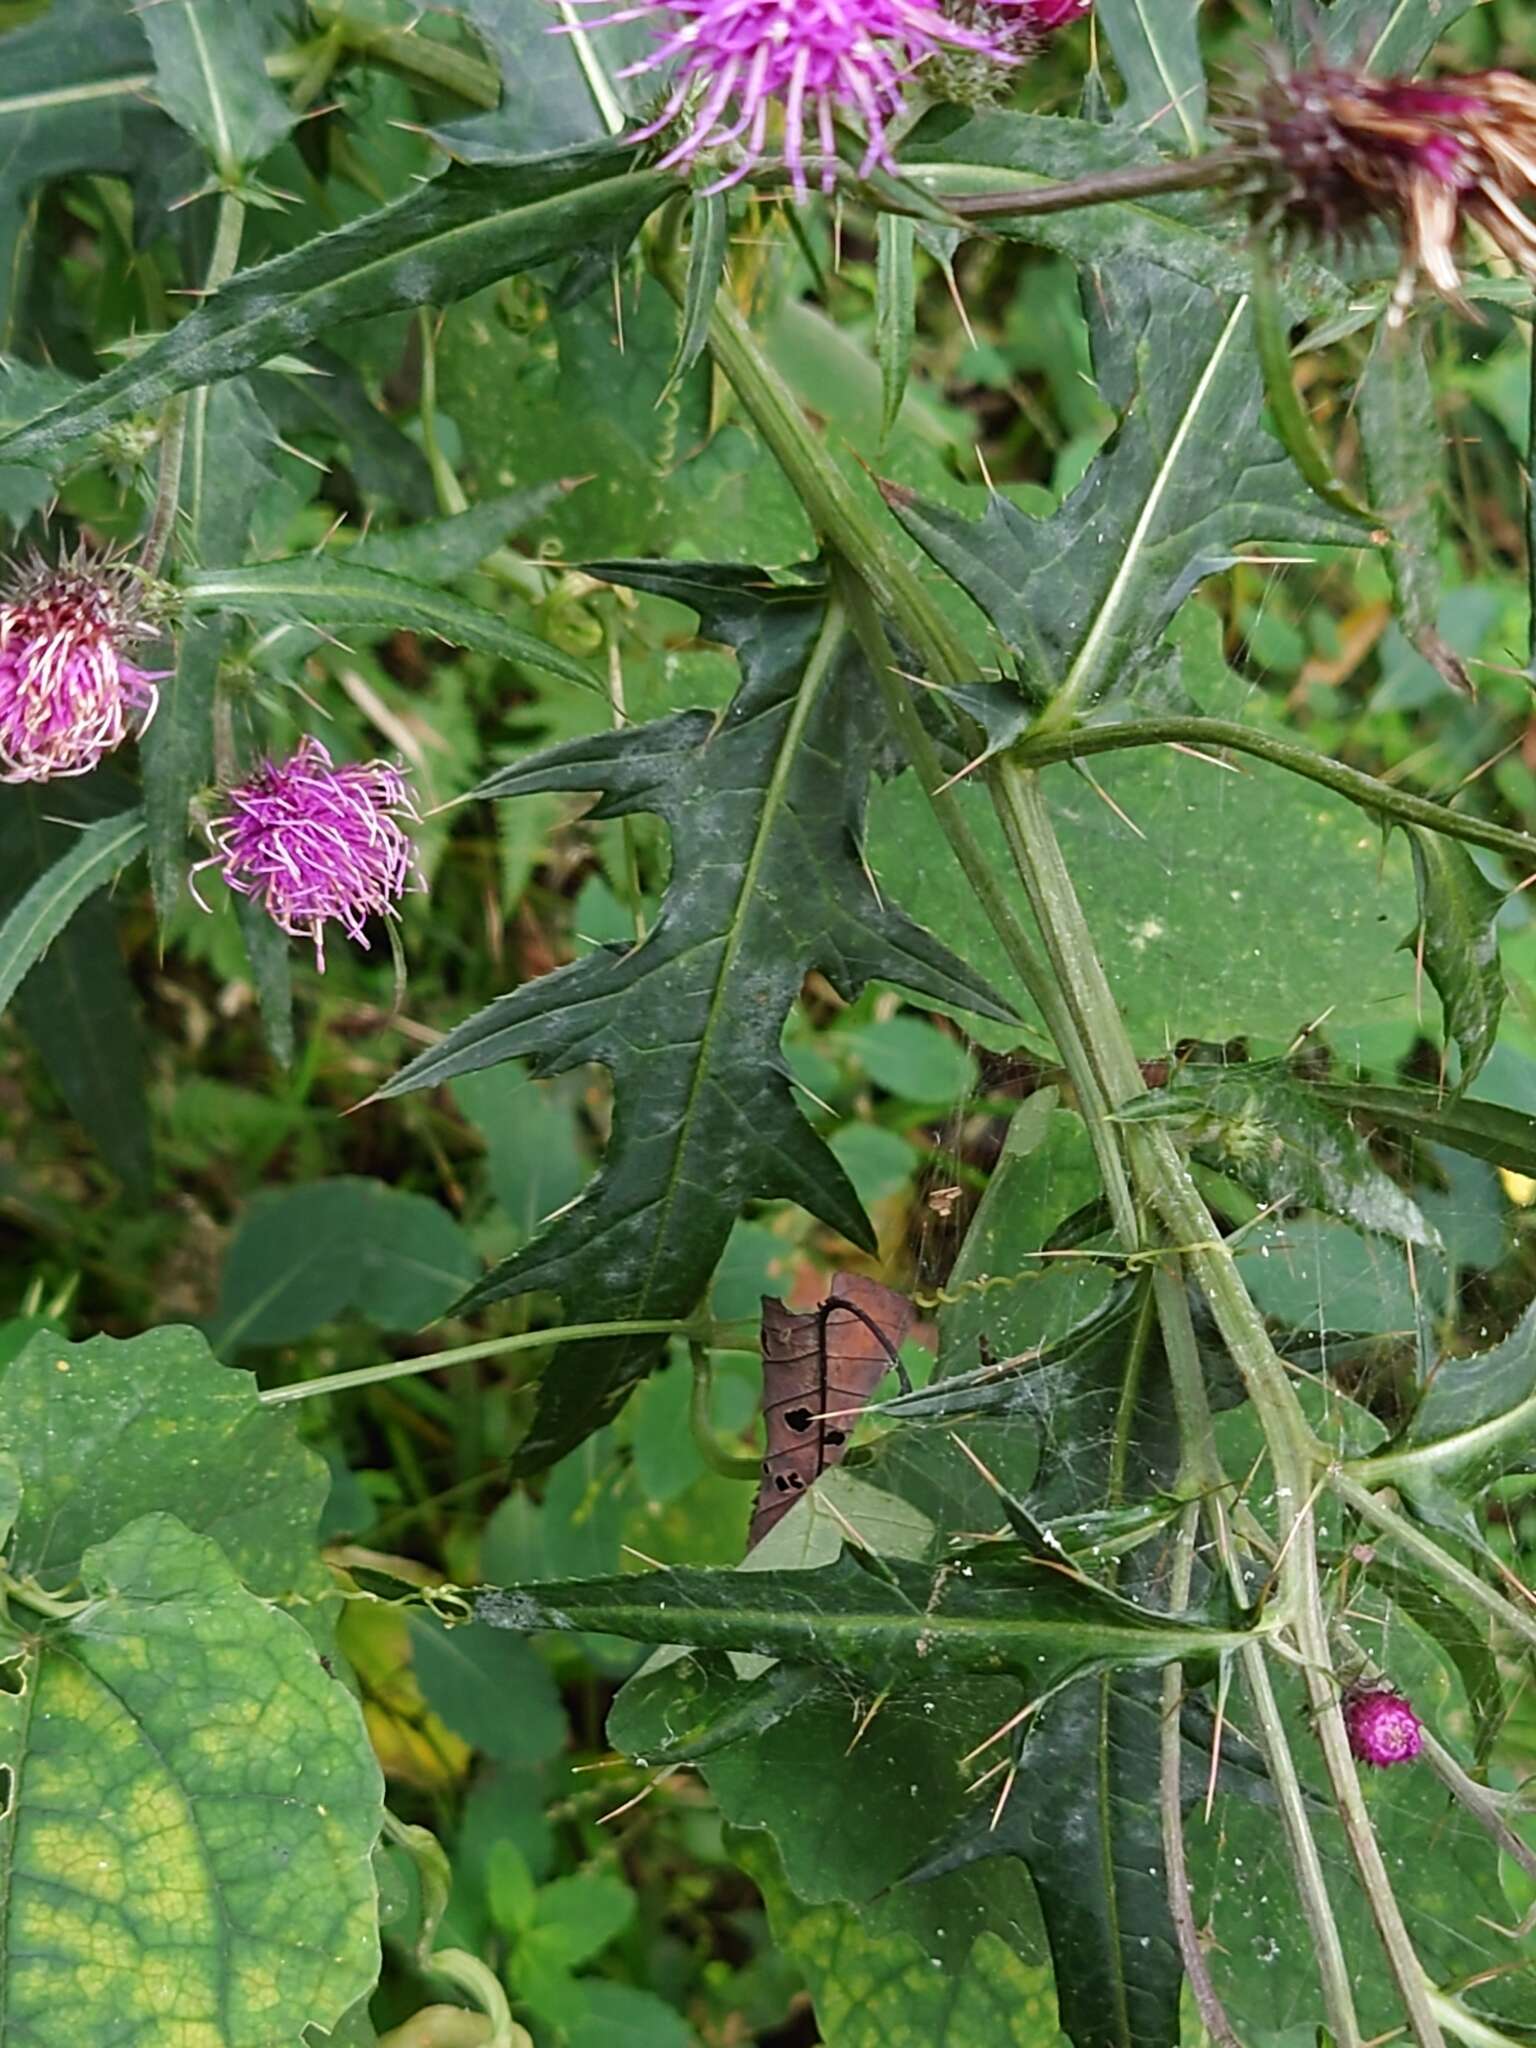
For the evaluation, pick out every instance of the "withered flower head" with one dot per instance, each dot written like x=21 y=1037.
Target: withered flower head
x=1340 y=149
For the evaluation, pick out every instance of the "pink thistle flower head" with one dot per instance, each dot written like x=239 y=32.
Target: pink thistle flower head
x=731 y=64
x=1383 y=1729
x=314 y=843
x=69 y=695
x=1340 y=148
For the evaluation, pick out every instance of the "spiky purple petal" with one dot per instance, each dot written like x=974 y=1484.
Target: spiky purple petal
x=731 y=63
x=316 y=844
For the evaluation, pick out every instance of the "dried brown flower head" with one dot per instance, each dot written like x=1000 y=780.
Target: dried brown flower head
x=1339 y=150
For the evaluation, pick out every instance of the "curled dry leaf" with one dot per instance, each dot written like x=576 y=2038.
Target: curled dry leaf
x=819 y=1369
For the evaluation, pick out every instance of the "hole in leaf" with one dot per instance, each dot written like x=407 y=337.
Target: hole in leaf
x=836 y=1436
x=13 y=1676
x=7 y=1781
x=799 y=1418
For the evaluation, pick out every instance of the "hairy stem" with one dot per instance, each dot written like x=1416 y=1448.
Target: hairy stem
x=1408 y=1536
x=1171 y=1805
x=1366 y=790
x=1098 y=188
x=995 y=901
x=1328 y=1718
x=187 y=413
x=1201 y=1468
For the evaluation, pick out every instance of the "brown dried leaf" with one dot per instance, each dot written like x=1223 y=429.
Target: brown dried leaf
x=819 y=1369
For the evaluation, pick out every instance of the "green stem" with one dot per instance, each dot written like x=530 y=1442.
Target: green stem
x=1097 y=188
x=1409 y=1537
x=1328 y=1719
x=1156 y=1165
x=1332 y=1963
x=729 y=1464
x=1391 y=1466
x=1366 y=790
x=839 y=512
x=1098 y=1033
x=993 y=896
x=162 y=520
x=1171 y=1805
x=1201 y=1467
x=466 y=1354
x=431 y=63
x=187 y=413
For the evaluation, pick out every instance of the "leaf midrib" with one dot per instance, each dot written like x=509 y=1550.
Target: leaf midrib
x=215 y=99
x=818 y=668
x=1081 y=675
x=134 y=86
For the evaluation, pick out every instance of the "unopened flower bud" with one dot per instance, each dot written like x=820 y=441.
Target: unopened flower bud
x=1383 y=1729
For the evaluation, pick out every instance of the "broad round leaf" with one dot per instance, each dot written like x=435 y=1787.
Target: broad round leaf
x=193 y=1812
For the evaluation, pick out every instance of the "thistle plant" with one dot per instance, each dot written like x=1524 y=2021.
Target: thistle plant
x=903 y=603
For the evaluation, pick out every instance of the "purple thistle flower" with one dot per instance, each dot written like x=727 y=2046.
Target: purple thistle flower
x=1383 y=1729
x=312 y=842
x=730 y=62
x=68 y=693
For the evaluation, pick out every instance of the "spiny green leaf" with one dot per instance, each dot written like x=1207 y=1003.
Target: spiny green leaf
x=1401 y=440
x=711 y=221
x=1486 y=1130
x=463 y=231
x=210 y=77
x=895 y=313
x=76 y=1003
x=177 y=754
x=1157 y=53
x=270 y=960
x=1458 y=941
x=98 y=856
x=335 y=590
x=1270 y=1133
x=1384 y=35
x=1083 y=1815
x=547 y=96
x=228 y=437
x=766 y=811
x=190 y=1853
x=882 y=1620
x=1473 y=1424
x=74 y=96
x=1084 y=597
